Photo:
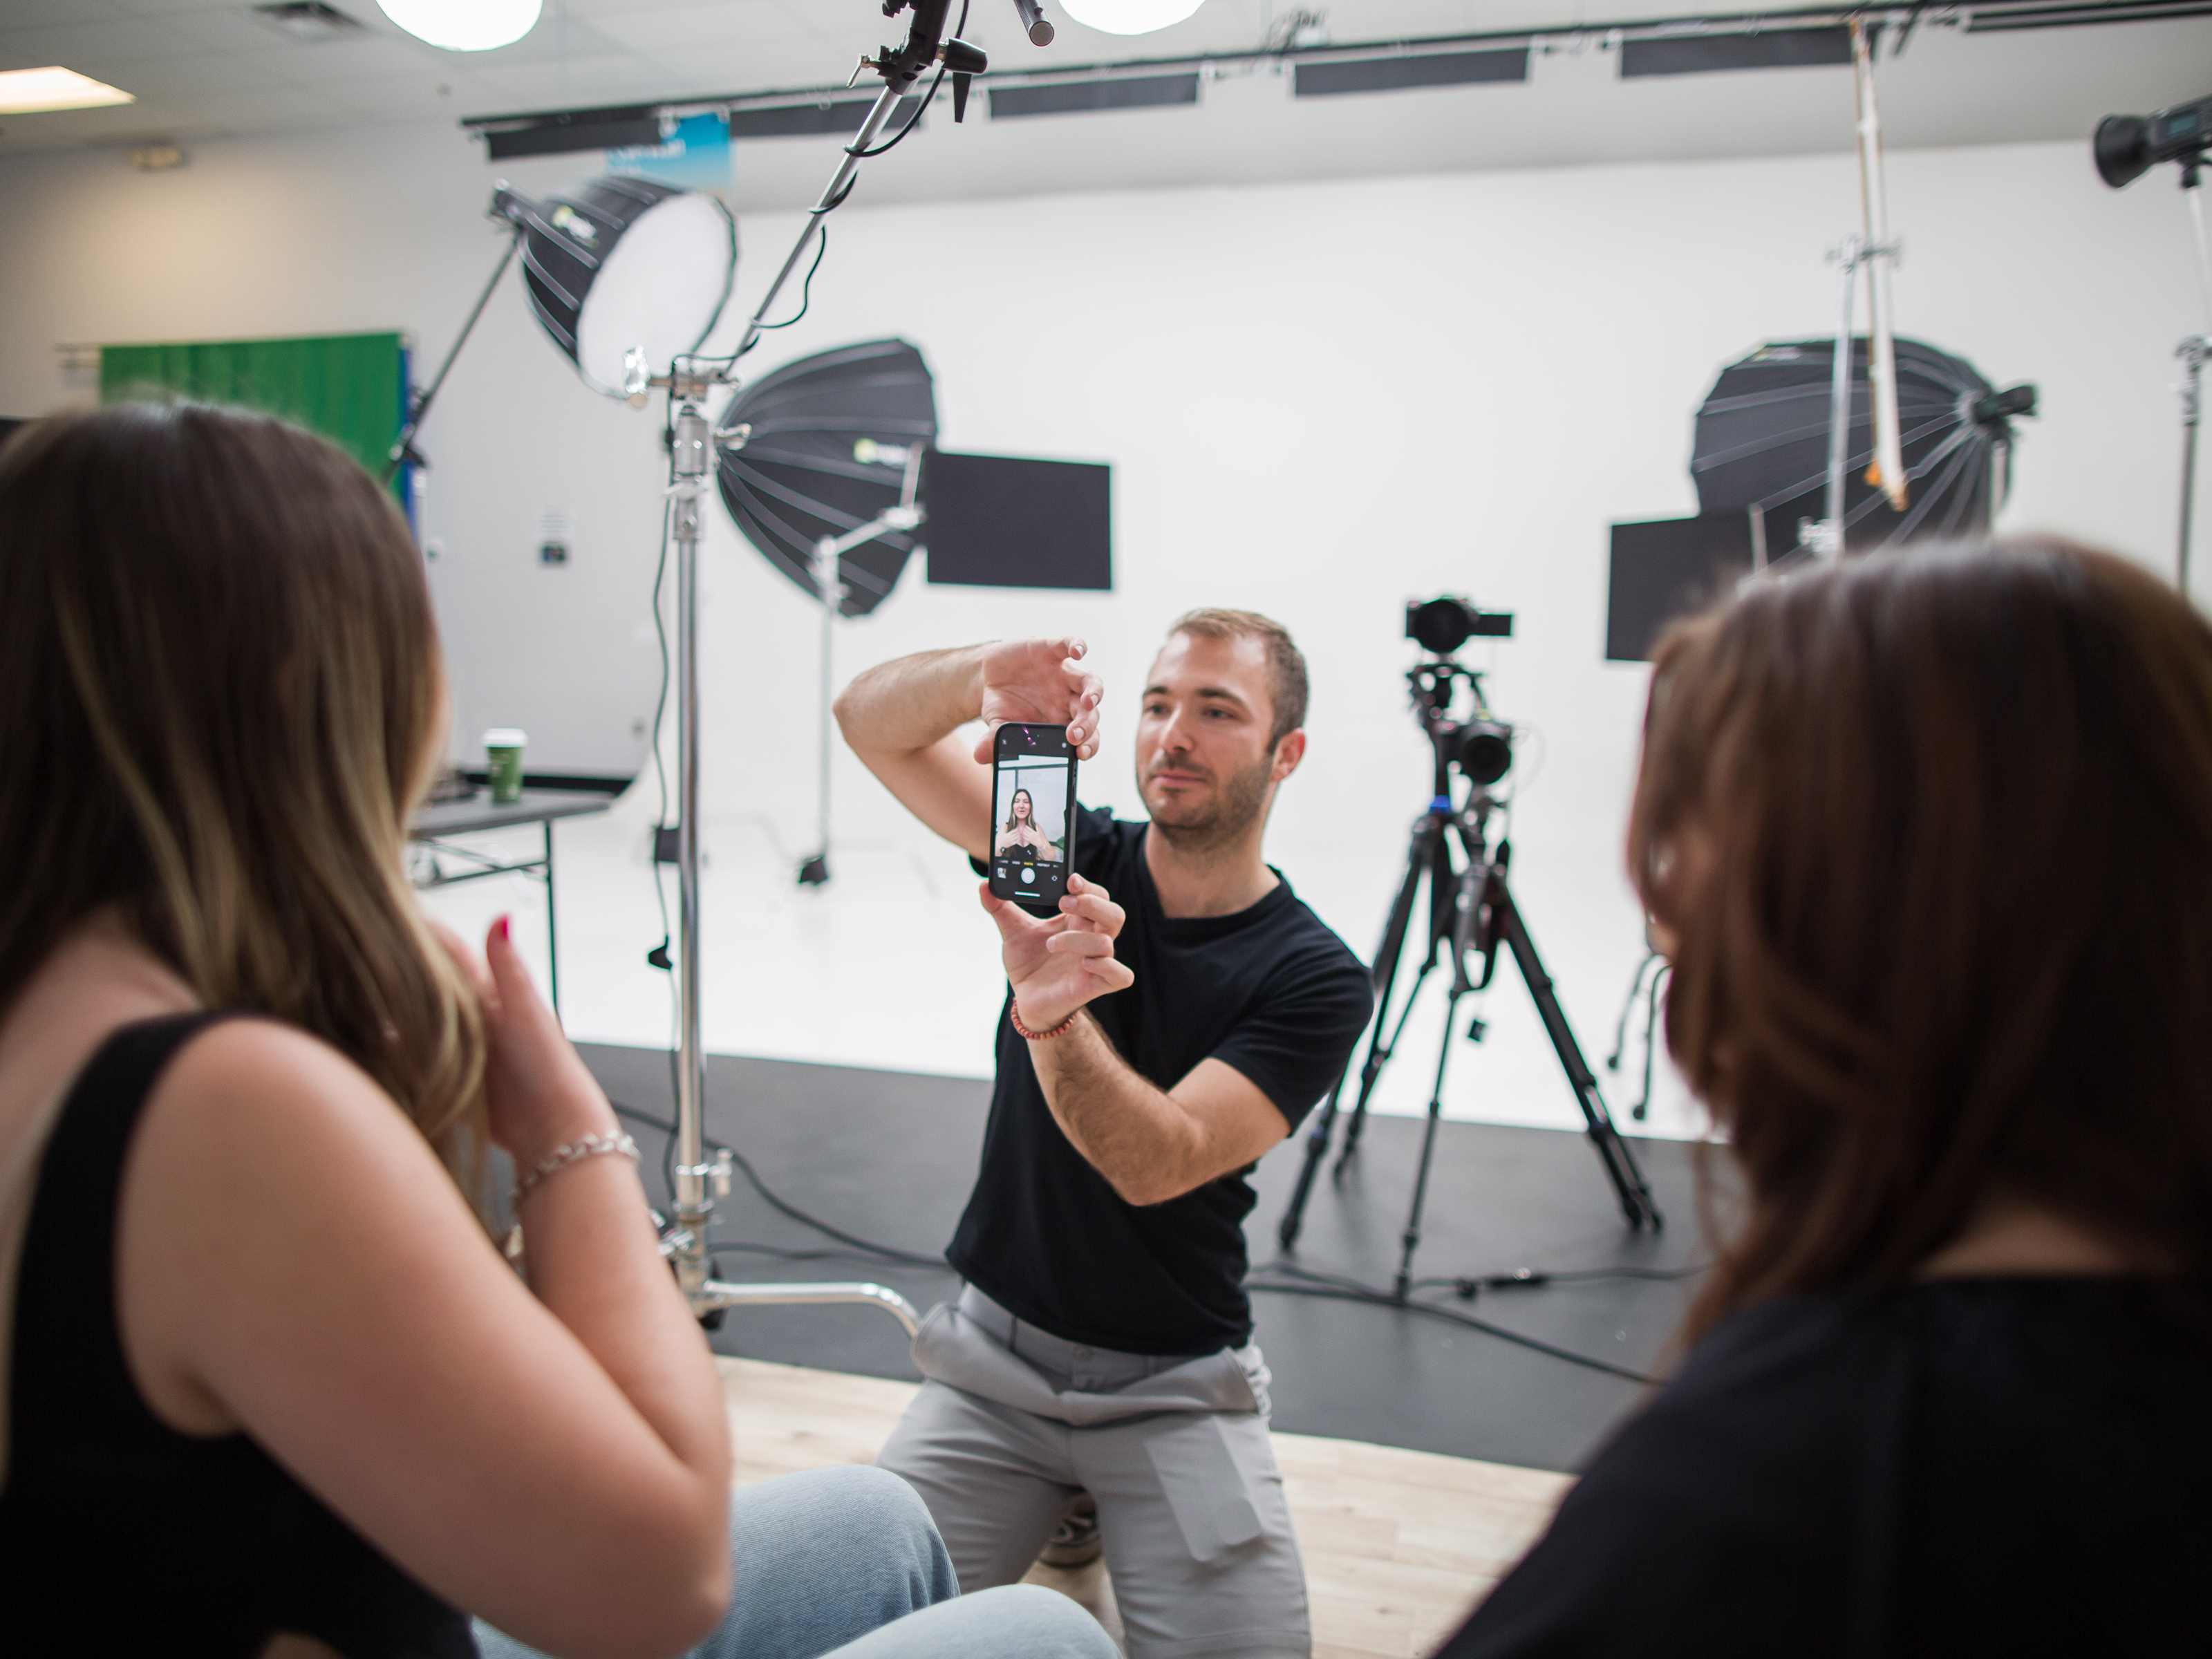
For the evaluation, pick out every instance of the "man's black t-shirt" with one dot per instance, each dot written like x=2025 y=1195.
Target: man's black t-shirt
x=1269 y=991
x=1996 y=1466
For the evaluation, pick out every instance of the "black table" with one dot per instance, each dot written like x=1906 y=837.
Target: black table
x=437 y=822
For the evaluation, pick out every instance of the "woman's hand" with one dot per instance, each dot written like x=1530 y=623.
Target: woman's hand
x=1041 y=681
x=539 y=1092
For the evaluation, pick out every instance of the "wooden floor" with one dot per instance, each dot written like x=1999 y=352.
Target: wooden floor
x=1398 y=1544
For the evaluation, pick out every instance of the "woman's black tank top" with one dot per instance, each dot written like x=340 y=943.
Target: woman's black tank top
x=117 y=1533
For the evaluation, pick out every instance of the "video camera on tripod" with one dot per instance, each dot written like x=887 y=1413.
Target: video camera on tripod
x=1456 y=873
x=1481 y=745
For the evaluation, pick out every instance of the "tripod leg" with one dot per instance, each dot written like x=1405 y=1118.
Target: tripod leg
x=1378 y=1056
x=1418 y=861
x=1412 y=1238
x=1650 y=1040
x=1386 y=971
x=1636 y=1200
x=1628 y=1007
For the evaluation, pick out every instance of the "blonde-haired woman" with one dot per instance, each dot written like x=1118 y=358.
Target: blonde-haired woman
x=267 y=1380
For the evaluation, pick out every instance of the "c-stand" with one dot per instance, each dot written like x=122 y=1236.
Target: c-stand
x=1471 y=911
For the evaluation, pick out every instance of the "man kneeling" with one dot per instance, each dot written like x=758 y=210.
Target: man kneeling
x=1178 y=1017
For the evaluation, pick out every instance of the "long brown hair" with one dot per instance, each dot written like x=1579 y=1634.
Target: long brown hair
x=1013 y=822
x=219 y=687
x=1933 y=835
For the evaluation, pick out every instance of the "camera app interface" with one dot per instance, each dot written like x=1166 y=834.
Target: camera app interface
x=1030 y=822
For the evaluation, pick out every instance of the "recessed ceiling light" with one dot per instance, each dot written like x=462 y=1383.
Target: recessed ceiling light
x=1129 y=16
x=465 y=25
x=29 y=92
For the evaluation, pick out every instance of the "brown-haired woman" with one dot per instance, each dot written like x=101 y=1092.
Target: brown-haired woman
x=1932 y=835
x=269 y=1386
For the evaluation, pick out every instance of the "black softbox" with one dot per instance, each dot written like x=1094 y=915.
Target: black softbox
x=798 y=478
x=1763 y=432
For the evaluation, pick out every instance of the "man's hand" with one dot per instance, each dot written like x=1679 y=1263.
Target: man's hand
x=1057 y=964
x=1042 y=682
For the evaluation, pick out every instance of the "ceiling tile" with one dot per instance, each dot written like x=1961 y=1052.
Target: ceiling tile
x=339 y=60
x=555 y=39
x=116 y=41
x=28 y=13
x=613 y=80
x=679 y=30
x=437 y=91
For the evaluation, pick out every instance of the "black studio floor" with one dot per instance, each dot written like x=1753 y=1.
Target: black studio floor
x=890 y=1156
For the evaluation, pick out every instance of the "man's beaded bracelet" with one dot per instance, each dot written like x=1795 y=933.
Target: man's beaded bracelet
x=1014 y=1013
x=574 y=1151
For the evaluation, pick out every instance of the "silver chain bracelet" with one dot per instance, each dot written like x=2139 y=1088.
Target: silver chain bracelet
x=574 y=1151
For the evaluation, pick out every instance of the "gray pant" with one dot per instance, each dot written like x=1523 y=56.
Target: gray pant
x=843 y=1563
x=1013 y=1422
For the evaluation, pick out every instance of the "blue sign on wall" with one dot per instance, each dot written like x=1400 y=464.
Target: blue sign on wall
x=695 y=154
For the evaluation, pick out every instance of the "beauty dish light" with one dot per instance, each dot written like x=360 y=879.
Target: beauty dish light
x=621 y=265
x=1129 y=16
x=465 y=25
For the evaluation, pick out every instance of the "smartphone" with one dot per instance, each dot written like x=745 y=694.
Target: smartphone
x=1032 y=815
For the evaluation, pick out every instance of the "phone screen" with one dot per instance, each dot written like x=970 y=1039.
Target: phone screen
x=1032 y=814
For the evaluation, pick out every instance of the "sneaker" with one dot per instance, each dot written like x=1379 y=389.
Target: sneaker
x=1075 y=1542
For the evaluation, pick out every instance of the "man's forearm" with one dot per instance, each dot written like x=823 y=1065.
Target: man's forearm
x=1142 y=1141
x=908 y=704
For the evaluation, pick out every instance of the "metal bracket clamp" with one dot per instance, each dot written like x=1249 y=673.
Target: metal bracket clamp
x=716 y=1173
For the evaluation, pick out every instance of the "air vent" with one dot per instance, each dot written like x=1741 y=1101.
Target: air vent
x=1398 y=73
x=1081 y=97
x=1701 y=54
x=310 y=23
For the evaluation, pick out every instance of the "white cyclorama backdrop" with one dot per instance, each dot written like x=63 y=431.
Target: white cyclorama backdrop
x=1320 y=400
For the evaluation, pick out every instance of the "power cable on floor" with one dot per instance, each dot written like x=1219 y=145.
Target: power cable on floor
x=1334 y=1287
x=890 y=1253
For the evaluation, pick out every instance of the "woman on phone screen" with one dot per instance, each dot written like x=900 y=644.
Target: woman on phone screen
x=1020 y=834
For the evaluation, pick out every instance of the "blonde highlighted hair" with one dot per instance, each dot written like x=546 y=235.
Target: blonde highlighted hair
x=220 y=683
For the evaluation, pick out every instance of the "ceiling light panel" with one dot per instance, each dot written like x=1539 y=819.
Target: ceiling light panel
x=35 y=91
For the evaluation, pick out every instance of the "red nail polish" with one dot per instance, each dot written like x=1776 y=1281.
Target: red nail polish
x=499 y=927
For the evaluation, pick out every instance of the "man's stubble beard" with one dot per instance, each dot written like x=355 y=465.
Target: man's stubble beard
x=1241 y=800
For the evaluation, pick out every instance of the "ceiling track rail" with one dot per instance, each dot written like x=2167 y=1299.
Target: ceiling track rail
x=1897 y=23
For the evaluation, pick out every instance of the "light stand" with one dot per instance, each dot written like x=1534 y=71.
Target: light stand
x=403 y=447
x=894 y=520
x=1876 y=251
x=699 y=1183
x=2125 y=148
x=2193 y=350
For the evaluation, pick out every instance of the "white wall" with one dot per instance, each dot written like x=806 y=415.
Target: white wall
x=1320 y=400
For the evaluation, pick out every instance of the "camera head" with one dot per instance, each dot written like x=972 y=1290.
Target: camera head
x=1479 y=746
x=1446 y=623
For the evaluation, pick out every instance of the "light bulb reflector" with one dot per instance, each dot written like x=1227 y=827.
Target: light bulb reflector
x=659 y=290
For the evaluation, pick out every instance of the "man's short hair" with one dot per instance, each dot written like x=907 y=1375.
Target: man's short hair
x=1286 y=664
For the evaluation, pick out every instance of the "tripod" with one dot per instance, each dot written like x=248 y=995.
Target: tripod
x=1471 y=912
